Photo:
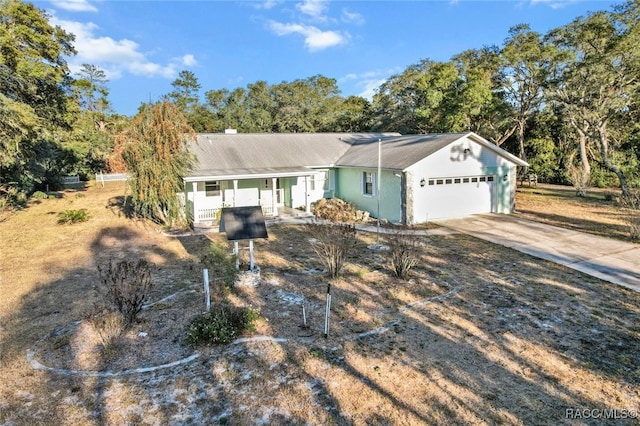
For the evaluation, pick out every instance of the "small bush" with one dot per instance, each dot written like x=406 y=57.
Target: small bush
x=11 y=197
x=39 y=195
x=127 y=287
x=223 y=324
x=222 y=267
x=73 y=216
x=404 y=253
x=332 y=243
x=108 y=323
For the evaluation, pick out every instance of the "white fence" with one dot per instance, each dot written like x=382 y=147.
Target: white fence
x=69 y=180
x=110 y=177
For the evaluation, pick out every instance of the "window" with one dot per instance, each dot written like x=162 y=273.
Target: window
x=461 y=180
x=367 y=183
x=212 y=188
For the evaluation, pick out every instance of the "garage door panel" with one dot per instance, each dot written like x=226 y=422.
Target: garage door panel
x=459 y=196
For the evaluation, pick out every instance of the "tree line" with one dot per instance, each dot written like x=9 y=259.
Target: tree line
x=566 y=101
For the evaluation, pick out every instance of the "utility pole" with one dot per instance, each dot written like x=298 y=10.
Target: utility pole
x=378 y=191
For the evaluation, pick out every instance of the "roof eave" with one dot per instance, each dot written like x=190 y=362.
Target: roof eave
x=201 y=178
x=479 y=139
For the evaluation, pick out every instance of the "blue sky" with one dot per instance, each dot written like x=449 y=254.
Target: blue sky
x=143 y=45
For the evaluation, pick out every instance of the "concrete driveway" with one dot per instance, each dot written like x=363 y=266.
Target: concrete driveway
x=608 y=259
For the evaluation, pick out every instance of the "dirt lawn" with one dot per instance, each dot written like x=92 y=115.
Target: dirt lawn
x=597 y=213
x=479 y=334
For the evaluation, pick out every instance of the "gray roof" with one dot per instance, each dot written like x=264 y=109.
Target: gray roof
x=280 y=154
x=222 y=154
x=398 y=152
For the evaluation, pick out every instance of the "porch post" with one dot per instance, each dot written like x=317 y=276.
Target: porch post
x=194 y=213
x=235 y=188
x=307 y=204
x=274 y=197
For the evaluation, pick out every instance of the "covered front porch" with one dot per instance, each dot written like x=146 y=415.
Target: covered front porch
x=276 y=193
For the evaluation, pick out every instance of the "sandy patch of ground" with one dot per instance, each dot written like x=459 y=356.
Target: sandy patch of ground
x=480 y=334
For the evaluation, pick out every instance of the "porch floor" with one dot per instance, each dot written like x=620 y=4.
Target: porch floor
x=284 y=214
x=291 y=212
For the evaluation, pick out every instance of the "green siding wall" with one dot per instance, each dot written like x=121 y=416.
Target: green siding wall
x=503 y=187
x=349 y=188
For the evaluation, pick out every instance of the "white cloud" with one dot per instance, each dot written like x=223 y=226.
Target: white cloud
x=189 y=60
x=366 y=84
x=314 y=38
x=553 y=4
x=235 y=81
x=313 y=8
x=267 y=4
x=352 y=17
x=74 y=5
x=369 y=87
x=115 y=57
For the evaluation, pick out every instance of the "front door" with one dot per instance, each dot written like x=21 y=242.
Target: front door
x=266 y=192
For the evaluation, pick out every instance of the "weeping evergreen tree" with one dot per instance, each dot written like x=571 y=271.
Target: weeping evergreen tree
x=154 y=149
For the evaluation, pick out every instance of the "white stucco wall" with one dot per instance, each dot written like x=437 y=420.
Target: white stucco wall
x=462 y=198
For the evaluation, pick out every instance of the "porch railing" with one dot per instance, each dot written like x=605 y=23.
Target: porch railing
x=267 y=210
x=213 y=214
x=206 y=215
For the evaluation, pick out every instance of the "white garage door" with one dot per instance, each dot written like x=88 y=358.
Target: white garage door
x=460 y=196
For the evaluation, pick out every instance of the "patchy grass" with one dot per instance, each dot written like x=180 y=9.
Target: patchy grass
x=597 y=213
x=478 y=334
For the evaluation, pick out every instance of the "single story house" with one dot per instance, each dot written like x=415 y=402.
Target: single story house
x=407 y=179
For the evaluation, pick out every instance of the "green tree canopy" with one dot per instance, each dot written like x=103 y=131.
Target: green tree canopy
x=525 y=66
x=185 y=92
x=34 y=81
x=596 y=80
x=33 y=70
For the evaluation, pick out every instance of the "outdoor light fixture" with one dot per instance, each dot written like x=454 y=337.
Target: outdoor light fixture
x=467 y=150
x=423 y=182
x=505 y=177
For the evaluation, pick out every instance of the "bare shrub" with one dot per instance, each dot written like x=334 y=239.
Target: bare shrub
x=403 y=252
x=631 y=203
x=108 y=324
x=127 y=286
x=332 y=243
x=579 y=179
x=338 y=210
